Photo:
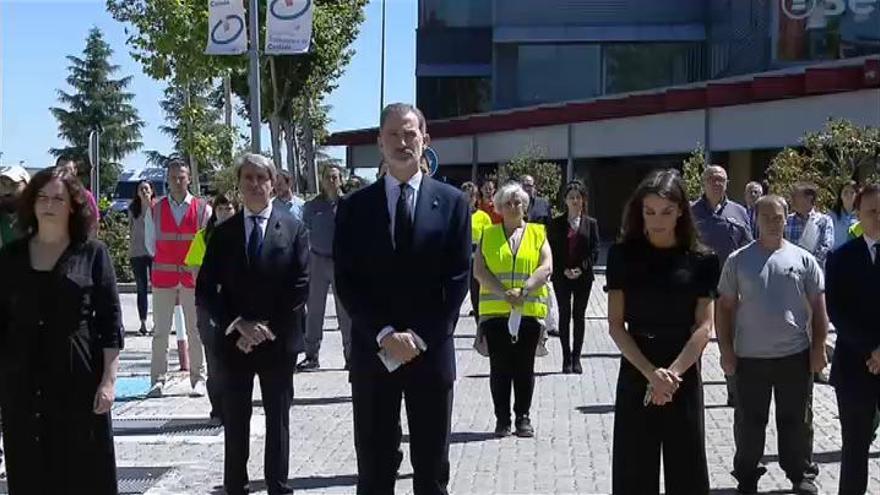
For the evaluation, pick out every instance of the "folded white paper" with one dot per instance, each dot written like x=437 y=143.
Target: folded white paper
x=513 y=323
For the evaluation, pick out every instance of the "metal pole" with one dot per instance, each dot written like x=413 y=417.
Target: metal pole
x=254 y=80
x=382 y=65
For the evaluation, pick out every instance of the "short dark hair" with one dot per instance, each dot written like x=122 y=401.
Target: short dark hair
x=668 y=185
x=808 y=189
x=402 y=109
x=82 y=219
x=869 y=189
x=177 y=162
x=219 y=200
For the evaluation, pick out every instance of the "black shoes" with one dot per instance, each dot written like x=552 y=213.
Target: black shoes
x=308 y=364
x=805 y=487
x=566 y=366
x=524 y=427
x=750 y=486
x=576 y=367
x=502 y=429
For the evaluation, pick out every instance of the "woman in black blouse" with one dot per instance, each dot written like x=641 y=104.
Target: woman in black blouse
x=661 y=286
x=574 y=240
x=60 y=336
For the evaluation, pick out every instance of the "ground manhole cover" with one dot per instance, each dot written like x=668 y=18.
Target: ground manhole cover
x=131 y=480
x=165 y=426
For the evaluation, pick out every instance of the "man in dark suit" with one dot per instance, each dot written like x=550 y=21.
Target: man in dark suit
x=254 y=282
x=852 y=288
x=539 y=208
x=402 y=253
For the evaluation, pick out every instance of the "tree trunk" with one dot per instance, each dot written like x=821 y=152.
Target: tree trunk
x=275 y=124
x=308 y=146
x=193 y=164
x=292 y=154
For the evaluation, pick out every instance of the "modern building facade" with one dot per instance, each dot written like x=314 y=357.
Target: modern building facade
x=610 y=89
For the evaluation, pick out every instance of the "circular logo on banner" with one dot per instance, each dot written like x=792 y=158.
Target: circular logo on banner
x=227 y=28
x=288 y=12
x=433 y=161
x=798 y=9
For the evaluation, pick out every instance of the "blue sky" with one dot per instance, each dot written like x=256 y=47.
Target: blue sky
x=37 y=35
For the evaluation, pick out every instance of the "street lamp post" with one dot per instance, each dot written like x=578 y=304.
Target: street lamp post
x=254 y=80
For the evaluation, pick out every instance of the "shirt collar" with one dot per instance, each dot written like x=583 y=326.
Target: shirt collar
x=718 y=209
x=809 y=215
x=186 y=200
x=870 y=242
x=265 y=214
x=414 y=182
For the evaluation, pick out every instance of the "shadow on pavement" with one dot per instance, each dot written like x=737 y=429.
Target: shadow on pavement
x=463 y=437
x=308 y=483
x=596 y=409
x=601 y=355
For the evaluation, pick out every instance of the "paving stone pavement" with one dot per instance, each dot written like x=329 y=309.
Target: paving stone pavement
x=573 y=417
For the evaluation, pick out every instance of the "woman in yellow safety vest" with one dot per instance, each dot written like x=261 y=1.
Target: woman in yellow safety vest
x=513 y=265
x=479 y=221
x=223 y=209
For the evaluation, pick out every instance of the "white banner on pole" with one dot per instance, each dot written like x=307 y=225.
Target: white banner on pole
x=227 y=32
x=288 y=26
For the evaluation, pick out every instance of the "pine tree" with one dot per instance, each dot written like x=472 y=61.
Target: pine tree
x=97 y=100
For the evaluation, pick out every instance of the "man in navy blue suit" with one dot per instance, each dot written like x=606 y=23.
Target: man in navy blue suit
x=402 y=255
x=852 y=287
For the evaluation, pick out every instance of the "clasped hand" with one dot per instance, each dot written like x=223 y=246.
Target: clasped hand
x=873 y=362
x=252 y=334
x=515 y=297
x=401 y=346
x=663 y=384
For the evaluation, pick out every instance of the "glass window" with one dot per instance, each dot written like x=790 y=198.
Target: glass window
x=455 y=13
x=445 y=97
x=637 y=67
x=827 y=30
x=551 y=73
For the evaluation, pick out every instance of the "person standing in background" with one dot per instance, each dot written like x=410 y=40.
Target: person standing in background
x=319 y=217
x=13 y=180
x=539 y=208
x=68 y=164
x=574 y=241
x=754 y=190
x=285 y=197
x=724 y=227
x=173 y=224
x=806 y=227
x=479 y=221
x=487 y=193
x=141 y=261
x=844 y=214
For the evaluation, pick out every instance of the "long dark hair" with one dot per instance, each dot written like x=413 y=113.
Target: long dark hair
x=668 y=185
x=135 y=207
x=581 y=189
x=82 y=220
x=838 y=203
x=219 y=199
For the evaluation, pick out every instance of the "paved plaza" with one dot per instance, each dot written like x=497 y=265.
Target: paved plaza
x=572 y=414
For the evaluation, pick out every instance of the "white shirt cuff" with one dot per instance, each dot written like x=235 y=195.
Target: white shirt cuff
x=231 y=328
x=384 y=333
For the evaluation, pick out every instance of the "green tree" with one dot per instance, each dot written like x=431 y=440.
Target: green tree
x=840 y=152
x=97 y=100
x=547 y=175
x=692 y=172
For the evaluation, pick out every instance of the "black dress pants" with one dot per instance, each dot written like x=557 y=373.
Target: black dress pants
x=791 y=383
x=642 y=432
x=214 y=384
x=857 y=410
x=572 y=297
x=511 y=364
x=276 y=384
x=377 y=431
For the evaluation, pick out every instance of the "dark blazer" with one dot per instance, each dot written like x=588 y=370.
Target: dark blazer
x=852 y=291
x=275 y=290
x=539 y=211
x=586 y=247
x=423 y=292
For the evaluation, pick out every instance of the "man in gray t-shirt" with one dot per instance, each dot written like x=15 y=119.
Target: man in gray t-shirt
x=771 y=333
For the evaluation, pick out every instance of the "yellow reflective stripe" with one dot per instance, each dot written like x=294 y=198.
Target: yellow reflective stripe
x=168 y=236
x=165 y=267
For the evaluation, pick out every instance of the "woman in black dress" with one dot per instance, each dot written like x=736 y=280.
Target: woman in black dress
x=60 y=336
x=574 y=241
x=661 y=286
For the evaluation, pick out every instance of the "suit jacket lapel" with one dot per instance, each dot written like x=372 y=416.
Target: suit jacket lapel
x=272 y=238
x=379 y=201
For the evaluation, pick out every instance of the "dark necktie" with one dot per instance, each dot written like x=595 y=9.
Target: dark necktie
x=403 y=224
x=877 y=255
x=255 y=240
